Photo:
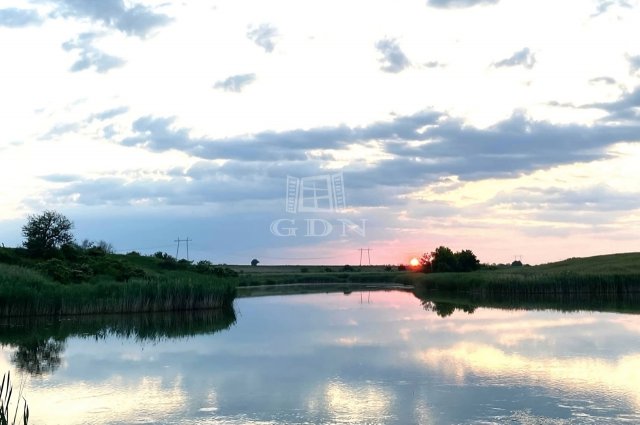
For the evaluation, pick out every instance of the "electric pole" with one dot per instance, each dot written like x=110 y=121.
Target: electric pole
x=368 y=255
x=178 y=247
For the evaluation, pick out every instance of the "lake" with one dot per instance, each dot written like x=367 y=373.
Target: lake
x=366 y=357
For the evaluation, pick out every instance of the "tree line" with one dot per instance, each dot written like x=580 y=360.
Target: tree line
x=444 y=260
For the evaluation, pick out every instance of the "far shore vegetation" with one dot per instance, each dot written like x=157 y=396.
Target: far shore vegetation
x=52 y=274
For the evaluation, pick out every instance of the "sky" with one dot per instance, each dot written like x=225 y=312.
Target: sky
x=508 y=127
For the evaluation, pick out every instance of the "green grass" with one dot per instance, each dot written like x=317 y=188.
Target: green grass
x=287 y=275
x=24 y=292
x=606 y=275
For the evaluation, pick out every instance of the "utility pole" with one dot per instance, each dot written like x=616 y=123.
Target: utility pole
x=368 y=255
x=178 y=248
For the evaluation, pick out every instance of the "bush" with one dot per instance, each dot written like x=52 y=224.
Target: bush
x=9 y=256
x=402 y=268
x=224 y=272
x=81 y=273
x=204 y=266
x=71 y=252
x=168 y=262
x=96 y=251
x=56 y=270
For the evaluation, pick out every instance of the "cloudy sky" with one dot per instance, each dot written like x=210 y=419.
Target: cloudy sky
x=508 y=127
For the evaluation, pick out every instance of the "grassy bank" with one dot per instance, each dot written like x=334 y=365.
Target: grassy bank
x=23 y=292
x=606 y=275
x=108 y=283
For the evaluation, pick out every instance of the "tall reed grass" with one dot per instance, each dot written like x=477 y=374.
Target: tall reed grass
x=553 y=284
x=24 y=292
x=6 y=393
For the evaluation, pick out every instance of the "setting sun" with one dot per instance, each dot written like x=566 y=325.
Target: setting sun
x=414 y=262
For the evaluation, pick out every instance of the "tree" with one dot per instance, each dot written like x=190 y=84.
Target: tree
x=254 y=262
x=426 y=262
x=443 y=260
x=46 y=232
x=467 y=261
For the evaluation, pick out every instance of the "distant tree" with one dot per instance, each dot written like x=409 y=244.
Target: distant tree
x=254 y=262
x=443 y=260
x=106 y=247
x=467 y=261
x=426 y=262
x=101 y=245
x=46 y=232
x=516 y=263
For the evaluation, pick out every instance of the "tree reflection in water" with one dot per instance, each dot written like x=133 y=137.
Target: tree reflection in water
x=444 y=309
x=39 y=356
x=40 y=341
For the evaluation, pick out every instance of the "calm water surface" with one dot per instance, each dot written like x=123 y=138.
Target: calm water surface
x=362 y=358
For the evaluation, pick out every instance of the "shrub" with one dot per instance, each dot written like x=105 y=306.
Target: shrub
x=56 y=270
x=71 y=252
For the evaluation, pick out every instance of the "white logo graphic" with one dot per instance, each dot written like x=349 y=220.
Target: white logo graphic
x=315 y=194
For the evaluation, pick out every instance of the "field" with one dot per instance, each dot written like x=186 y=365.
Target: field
x=284 y=275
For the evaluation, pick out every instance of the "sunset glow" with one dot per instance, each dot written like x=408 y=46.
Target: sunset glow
x=466 y=124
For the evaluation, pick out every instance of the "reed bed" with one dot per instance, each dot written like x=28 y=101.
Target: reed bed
x=24 y=292
x=526 y=284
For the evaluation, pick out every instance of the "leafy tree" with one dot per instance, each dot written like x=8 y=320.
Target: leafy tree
x=467 y=261
x=443 y=260
x=426 y=262
x=254 y=262
x=46 y=232
x=516 y=263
